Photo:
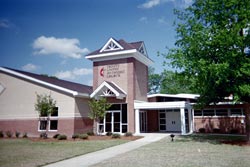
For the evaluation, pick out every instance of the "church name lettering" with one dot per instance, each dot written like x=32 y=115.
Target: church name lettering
x=114 y=71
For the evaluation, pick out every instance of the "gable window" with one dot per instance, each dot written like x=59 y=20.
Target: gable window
x=111 y=45
x=1 y=88
x=51 y=124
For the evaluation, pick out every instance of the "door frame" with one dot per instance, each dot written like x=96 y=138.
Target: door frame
x=112 y=121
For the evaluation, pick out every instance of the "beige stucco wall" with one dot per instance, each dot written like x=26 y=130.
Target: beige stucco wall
x=18 y=99
x=81 y=107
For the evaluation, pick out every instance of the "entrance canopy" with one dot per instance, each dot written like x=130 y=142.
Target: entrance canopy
x=160 y=105
x=172 y=116
x=108 y=89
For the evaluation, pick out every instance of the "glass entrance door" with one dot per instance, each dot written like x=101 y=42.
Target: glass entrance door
x=112 y=121
x=143 y=121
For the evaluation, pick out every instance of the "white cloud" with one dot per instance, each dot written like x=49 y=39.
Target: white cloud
x=187 y=3
x=153 y=3
x=162 y=20
x=143 y=19
x=62 y=46
x=150 y=4
x=4 y=23
x=73 y=74
x=29 y=67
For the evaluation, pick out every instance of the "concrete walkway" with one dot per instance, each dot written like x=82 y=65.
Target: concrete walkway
x=99 y=156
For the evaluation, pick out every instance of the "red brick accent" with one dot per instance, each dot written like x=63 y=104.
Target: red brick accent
x=153 y=124
x=223 y=124
x=67 y=126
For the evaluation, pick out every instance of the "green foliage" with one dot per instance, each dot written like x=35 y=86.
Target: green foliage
x=98 y=108
x=62 y=137
x=75 y=136
x=210 y=48
x=25 y=135
x=154 y=81
x=17 y=134
x=169 y=82
x=56 y=135
x=84 y=136
x=175 y=82
x=43 y=135
x=128 y=134
x=45 y=104
x=108 y=133
x=9 y=134
x=116 y=136
x=90 y=133
x=1 y=134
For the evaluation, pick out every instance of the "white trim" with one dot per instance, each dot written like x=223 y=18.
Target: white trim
x=188 y=96
x=144 y=49
x=121 y=55
x=105 y=84
x=161 y=105
x=74 y=93
x=104 y=48
x=119 y=87
x=2 y=88
x=111 y=54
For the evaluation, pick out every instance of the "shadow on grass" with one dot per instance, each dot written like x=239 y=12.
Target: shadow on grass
x=213 y=138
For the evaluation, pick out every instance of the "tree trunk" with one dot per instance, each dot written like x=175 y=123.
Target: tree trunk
x=247 y=120
x=95 y=127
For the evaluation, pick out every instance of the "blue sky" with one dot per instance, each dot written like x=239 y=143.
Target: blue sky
x=53 y=36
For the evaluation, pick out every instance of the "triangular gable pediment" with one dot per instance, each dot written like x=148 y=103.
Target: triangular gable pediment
x=111 y=45
x=108 y=89
x=143 y=50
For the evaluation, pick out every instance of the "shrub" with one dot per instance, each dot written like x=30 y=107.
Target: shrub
x=116 y=135
x=202 y=130
x=234 y=131
x=84 y=136
x=1 y=134
x=127 y=134
x=9 y=134
x=90 y=133
x=17 y=134
x=43 y=135
x=56 y=135
x=62 y=137
x=216 y=130
x=109 y=133
x=75 y=136
x=25 y=135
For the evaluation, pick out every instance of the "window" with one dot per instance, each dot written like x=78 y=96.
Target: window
x=42 y=125
x=53 y=121
x=208 y=112
x=236 y=112
x=197 y=112
x=53 y=124
x=221 y=112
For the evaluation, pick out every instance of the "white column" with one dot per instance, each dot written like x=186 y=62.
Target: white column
x=137 y=121
x=183 y=127
x=191 y=120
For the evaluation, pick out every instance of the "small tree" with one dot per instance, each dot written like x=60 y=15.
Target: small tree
x=98 y=110
x=45 y=106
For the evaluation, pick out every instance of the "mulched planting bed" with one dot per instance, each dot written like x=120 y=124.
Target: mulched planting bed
x=90 y=138
x=237 y=143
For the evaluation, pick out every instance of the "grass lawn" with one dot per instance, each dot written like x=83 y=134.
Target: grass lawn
x=186 y=151
x=24 y=152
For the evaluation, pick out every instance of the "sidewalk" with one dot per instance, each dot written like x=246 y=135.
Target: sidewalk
x=99 y=156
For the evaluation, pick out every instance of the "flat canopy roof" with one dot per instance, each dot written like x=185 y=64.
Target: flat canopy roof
x=161 y=105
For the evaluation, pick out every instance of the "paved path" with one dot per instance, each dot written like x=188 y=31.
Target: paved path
x=99 y=156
